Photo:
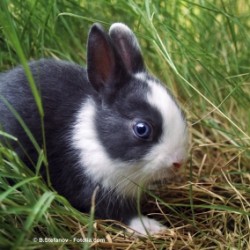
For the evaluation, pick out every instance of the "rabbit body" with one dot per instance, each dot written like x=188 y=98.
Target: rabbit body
x=110 y=128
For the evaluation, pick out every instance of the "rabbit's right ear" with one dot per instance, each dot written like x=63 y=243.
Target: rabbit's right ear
x=100 y=58
x=128 y=47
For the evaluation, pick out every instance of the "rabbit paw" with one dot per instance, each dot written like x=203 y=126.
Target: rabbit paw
x=144 y=225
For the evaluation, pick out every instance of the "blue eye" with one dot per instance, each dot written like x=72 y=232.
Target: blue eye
x=142 y=130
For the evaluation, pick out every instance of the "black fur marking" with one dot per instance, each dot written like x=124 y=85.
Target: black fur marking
x=116 y=133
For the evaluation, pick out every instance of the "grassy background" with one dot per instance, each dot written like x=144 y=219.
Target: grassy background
x=201 y=50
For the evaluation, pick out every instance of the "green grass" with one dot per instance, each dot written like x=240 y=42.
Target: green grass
x=200 y=49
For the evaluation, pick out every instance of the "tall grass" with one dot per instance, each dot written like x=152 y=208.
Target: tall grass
x=200 y=49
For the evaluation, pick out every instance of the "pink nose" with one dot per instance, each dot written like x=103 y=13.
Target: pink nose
x=177 y=164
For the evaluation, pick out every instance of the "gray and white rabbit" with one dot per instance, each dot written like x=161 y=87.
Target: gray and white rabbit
x=111 y=126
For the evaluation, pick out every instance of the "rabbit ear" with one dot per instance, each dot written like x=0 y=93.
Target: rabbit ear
x=127 y=46
x=100 y=58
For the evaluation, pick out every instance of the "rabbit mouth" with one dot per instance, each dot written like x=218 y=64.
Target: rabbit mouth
x=163 y=177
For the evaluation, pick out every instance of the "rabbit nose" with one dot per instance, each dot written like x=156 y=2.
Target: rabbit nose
x=177 y=164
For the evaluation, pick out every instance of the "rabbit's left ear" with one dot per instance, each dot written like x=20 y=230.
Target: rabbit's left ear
x=127 y=46
x=101 y=59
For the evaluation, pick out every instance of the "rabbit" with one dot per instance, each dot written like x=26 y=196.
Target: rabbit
x=110 y=129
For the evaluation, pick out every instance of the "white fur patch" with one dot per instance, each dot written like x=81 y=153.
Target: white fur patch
x=174 y=140
x=122 y=28
x=96 y=163
x=144 y=225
